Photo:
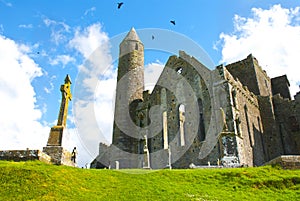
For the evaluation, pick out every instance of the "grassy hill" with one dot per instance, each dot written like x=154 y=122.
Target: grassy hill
x=38 y=181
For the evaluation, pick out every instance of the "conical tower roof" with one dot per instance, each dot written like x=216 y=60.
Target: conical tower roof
x=132 y=35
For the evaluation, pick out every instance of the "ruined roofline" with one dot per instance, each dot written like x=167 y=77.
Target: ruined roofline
x=239 y=61
x=254 y=60
x=235 y=83
x=282 y=76
x=186 y=57
x=278 y=97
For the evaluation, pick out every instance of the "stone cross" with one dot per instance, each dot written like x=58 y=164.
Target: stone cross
x=65 y=97
x=56 y=132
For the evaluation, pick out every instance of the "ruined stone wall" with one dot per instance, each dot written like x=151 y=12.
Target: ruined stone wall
x=59 y=155
x=287 y=113
x=171 y=98
x=24 y=155
x=250 y=74
x=103 y=159
x=238 y=95
x=297 y=96
x=286 y=162
x=263 y=80
x=246 y=123
x=244 y=71
x=271 y=137
x=280 y=85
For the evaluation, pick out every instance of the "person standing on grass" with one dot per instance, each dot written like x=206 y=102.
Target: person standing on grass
x=73 y=155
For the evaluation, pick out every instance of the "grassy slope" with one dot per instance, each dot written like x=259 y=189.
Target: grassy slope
x=38 y=181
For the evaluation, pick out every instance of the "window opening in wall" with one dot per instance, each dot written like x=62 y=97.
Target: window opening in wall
x=266 y=83
x=201 y=128
x=248 y=126
x=136 y=46
x=261 y=137
x=181 y=124
x=179 y=70
x=237 y=125
x=165 y=130
x=233 y=94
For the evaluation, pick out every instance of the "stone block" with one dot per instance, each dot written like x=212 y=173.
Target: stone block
x=59 y=155
x=286 y=161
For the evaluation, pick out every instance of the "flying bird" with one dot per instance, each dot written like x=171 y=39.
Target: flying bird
x=173 y=22
x=120 y=4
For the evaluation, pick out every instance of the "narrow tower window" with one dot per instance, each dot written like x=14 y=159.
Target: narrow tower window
x=181 y=124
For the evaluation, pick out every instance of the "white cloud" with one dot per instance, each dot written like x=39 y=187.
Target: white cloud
x=90 y=10
x=58 y=30
x=272 y=36
x=88 y=40
x=104 y=104
x=62 y=59
x=91 y=104
x=19 y=118
x=26 y=26
x=49 y=89
x=152 y=73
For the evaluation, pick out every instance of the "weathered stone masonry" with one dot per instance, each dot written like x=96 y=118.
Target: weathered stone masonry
x=250 y=116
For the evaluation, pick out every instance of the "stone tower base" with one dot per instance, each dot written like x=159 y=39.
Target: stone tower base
x=59 y=155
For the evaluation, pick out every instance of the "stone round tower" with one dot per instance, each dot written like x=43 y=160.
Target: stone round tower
x=131 y=64
x=129 y=92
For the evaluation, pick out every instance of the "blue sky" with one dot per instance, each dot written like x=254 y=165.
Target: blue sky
x=42 y=41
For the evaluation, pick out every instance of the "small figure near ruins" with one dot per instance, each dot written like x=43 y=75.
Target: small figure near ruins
x=73 y=155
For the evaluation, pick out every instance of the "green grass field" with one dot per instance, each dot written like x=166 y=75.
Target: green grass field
x=38 y=181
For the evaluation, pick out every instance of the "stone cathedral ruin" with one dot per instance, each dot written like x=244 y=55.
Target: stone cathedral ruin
x=233 y=115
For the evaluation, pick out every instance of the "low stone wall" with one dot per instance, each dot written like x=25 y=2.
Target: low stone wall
x=287 y=162
x=52 y=155
x=24 y=155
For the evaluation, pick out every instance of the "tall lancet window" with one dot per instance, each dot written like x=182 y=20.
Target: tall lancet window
x=201 y=128
x=251 y=140
x=181 y=124
x=165 y=130
x=163 y=100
